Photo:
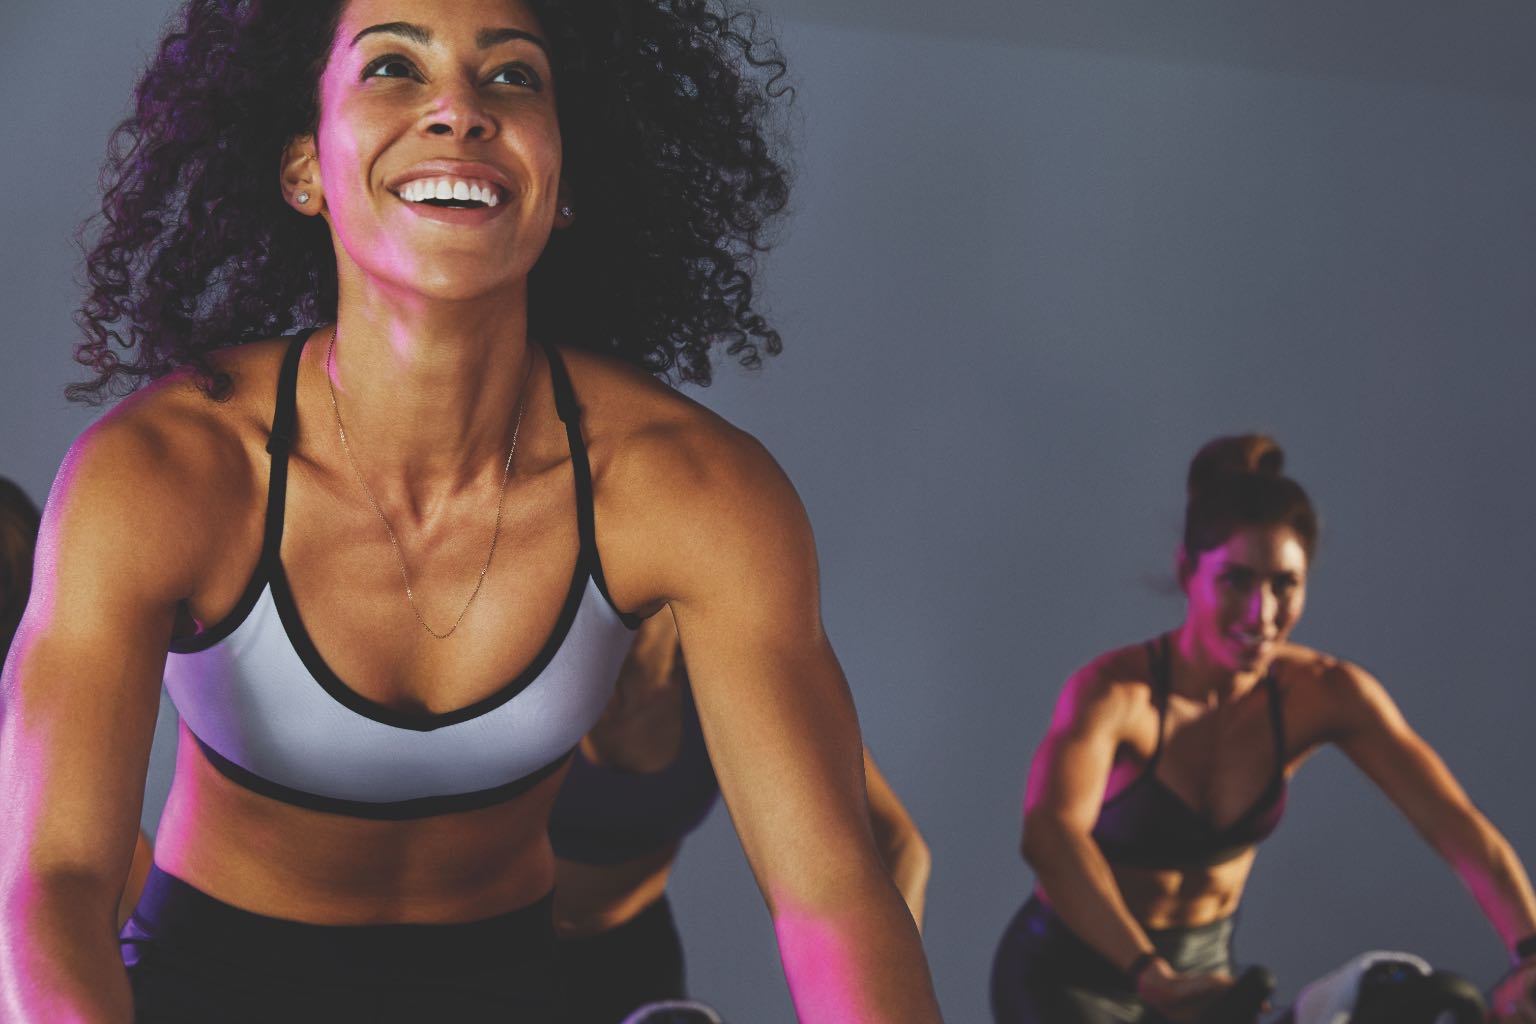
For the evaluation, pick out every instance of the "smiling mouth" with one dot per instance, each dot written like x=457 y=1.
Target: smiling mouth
x=451 y=193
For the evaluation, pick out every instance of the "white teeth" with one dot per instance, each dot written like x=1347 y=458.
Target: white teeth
x=457 y=189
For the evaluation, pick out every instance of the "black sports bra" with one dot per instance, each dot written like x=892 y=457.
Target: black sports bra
x=1148 y=825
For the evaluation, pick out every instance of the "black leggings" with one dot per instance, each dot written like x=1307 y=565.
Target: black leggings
x=607 y=976
x=192 y=959
x=1044 y=974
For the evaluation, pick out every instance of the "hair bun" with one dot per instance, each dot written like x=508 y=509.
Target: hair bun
x=1258 y=454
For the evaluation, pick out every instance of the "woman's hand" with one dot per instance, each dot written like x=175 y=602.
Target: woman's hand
x=1514 y=998
x=1180 y=997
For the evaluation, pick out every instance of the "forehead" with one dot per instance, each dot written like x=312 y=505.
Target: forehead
x=1261 y=548
x=443 y=18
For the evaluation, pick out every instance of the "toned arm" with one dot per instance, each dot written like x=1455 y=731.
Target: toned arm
x=739 y=571
x=1061 y=804
x=1065 y=793
x=80 y=691
x=1374 y=734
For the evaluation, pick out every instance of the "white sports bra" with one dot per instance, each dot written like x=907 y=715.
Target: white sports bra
x=269 y=713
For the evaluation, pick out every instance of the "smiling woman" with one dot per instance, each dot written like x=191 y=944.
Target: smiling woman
x=1167 y=764
x=667 y=147
x=389 y=577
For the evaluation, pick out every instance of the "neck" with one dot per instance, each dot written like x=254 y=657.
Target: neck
x=428 y=390
x=1200 y=676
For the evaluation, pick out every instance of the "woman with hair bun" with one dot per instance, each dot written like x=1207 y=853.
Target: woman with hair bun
x=397 y=279
x=1167 y=761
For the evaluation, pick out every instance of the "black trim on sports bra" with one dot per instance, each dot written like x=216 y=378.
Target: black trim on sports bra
x=394 y=810
x=570 y=414
x=270 y=571
x=279 y=443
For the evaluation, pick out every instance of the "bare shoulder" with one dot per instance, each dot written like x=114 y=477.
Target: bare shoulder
x=636 y=424
x=1314 y=673
x=676 y=484
x=165 y=467
x=1108 y=690
x=1330 y=695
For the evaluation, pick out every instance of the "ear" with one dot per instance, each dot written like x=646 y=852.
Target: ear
x=1185 y=567
x=565 y=206
x=301 y=176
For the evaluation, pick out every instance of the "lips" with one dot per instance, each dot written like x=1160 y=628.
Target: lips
x=1252 y=644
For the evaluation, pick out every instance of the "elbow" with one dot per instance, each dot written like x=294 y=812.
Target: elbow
x=919 y=857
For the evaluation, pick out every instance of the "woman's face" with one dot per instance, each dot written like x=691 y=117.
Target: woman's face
x=1245 y=596
x=438 y=144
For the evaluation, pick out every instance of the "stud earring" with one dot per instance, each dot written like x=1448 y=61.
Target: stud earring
x=567 y=211
x=302 y=197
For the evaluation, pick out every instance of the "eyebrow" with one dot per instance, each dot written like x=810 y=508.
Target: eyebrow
x=484 y=39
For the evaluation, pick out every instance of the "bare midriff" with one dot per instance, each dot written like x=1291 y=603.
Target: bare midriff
x=595 y=898
x=1184 y=899
x=290 y=862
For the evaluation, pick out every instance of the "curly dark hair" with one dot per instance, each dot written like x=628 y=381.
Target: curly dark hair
x=667 y=113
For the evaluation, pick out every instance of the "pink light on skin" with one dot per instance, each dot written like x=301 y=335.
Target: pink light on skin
x=1244 y=598
x=466 y=93
x=819 y=967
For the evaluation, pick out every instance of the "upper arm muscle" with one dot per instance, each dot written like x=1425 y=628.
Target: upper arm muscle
x=82 y=681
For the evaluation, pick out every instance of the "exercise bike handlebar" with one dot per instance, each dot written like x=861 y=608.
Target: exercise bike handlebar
x=1244 y=1001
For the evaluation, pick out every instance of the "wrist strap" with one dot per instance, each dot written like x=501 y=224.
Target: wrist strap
x=1525 y=948
x=1143 y=960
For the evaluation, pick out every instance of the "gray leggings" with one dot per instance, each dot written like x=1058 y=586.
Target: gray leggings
x=1044 y=974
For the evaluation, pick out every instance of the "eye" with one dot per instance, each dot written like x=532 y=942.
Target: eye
x=1239 y=578
x=519 y=75
x=391 y=65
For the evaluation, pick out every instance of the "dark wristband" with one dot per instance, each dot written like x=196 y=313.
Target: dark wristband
x=1139 y=965
x=1525 y=948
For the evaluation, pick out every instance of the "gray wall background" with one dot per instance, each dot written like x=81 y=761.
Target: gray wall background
x=1041 y=252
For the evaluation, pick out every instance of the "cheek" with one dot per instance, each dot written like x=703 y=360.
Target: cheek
x=1208 y=603
x=342 y=144
x=1291 y=607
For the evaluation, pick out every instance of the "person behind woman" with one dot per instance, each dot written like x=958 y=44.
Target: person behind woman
x=19 y=519
x=640 y=781
x=397 y=558
x=1166 y=764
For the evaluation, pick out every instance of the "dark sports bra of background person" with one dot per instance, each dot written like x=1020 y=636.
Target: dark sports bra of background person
x=1167 y=762
x=1148 y=825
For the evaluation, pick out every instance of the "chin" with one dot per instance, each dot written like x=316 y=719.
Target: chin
x=439 y=284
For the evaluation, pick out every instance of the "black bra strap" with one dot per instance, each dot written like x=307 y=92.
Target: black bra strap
x=1277 y=721
x=1159 y=656
x=280 y=443
x=581 y=469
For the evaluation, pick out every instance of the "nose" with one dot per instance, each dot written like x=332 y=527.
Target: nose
x=1263 y=609
x=459 y=113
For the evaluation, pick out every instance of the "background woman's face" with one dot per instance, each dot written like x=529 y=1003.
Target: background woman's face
x=1245 y=596
x=416 y=98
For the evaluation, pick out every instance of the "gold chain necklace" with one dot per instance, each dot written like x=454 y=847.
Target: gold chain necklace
x=394 y=542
